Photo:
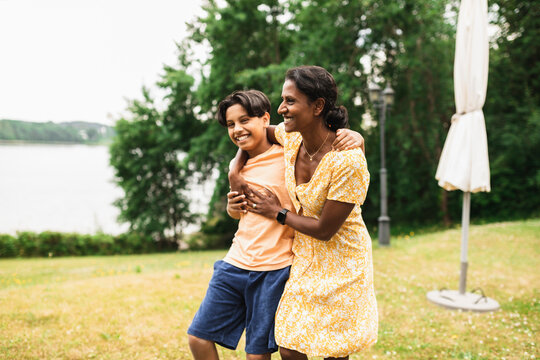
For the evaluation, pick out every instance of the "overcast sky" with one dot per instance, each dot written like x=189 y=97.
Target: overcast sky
x=64 y=60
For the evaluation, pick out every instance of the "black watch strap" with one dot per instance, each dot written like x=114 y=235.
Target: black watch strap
x=281 y=216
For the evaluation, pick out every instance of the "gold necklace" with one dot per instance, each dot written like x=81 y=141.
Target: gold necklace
x=320 y=147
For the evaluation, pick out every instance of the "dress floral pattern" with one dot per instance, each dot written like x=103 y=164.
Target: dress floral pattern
x=328 y=307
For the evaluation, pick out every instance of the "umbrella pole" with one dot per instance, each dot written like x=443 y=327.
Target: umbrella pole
x=460 y=299
x=465 y=218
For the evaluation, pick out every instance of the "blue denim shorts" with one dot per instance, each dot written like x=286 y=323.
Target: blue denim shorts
x=239 y=299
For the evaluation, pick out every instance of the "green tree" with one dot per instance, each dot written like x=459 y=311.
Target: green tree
x=92 y=134
x=409 y=44
x=413 y=44
x=512 y=113
x=148 y=155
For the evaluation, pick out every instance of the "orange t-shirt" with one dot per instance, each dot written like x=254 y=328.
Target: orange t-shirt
x=263 y=244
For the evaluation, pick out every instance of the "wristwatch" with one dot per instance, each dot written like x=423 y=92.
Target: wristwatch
x=281 y=216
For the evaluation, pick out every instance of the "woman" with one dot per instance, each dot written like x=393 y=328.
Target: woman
x=328 y=308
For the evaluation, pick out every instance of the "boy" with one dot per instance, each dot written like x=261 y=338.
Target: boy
x=247 y=284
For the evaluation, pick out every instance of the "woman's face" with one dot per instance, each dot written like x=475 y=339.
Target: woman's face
x=298 y=112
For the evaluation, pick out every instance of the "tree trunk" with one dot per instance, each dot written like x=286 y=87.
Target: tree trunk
x=444 y=208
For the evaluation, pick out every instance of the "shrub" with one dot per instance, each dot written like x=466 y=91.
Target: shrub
x=50 y=243
x=29 y=244
x=53 y=242
x=202 y=241
x=8 y=246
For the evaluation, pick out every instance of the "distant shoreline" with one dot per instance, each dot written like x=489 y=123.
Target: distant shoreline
x=37 y=142
x=74 y=132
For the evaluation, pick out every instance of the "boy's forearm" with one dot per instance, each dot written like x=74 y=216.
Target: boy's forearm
x=239 y=161
x=234 y=214
x=235 y=180
x=271 y=134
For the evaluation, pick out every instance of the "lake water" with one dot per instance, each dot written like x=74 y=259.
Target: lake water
x=66 y=188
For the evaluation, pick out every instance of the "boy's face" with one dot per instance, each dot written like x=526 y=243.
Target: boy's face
x=248 y=133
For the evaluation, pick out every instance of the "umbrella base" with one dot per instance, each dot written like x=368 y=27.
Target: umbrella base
x=452 y=299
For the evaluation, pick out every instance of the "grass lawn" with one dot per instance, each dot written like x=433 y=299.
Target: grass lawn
x=139 y=307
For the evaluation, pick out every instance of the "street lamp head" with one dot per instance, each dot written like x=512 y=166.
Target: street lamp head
x=374 y=93
x=388 y=94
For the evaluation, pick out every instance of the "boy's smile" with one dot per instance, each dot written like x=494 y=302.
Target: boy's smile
x=241 y=138
x=248 y=133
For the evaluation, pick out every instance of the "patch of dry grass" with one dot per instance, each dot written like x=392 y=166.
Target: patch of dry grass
x=139 y=307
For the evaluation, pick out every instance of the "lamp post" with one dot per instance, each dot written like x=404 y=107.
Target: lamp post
x=382 y=103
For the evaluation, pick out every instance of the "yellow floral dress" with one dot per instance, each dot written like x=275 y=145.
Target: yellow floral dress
x=328 y=307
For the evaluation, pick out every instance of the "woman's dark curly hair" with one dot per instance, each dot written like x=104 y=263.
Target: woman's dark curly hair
x=315 y=82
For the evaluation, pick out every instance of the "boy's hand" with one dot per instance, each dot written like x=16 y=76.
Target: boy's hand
x=347 y=139
x=237 y=183
x=236 y=204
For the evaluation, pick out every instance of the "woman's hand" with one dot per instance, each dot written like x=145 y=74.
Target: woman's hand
x=236 y=204
x=264 y=203
x=347 y=139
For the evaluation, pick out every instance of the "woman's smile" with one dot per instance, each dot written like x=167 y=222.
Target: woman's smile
x=295 y=107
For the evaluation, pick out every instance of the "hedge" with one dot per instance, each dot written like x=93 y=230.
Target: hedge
x=49 y=243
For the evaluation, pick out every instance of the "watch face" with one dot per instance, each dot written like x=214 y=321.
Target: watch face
x=281 y=216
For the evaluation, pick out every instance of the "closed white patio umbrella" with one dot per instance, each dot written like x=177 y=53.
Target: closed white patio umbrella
x=464 y=162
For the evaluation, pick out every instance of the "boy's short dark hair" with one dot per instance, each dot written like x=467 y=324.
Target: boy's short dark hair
x=255 y=102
